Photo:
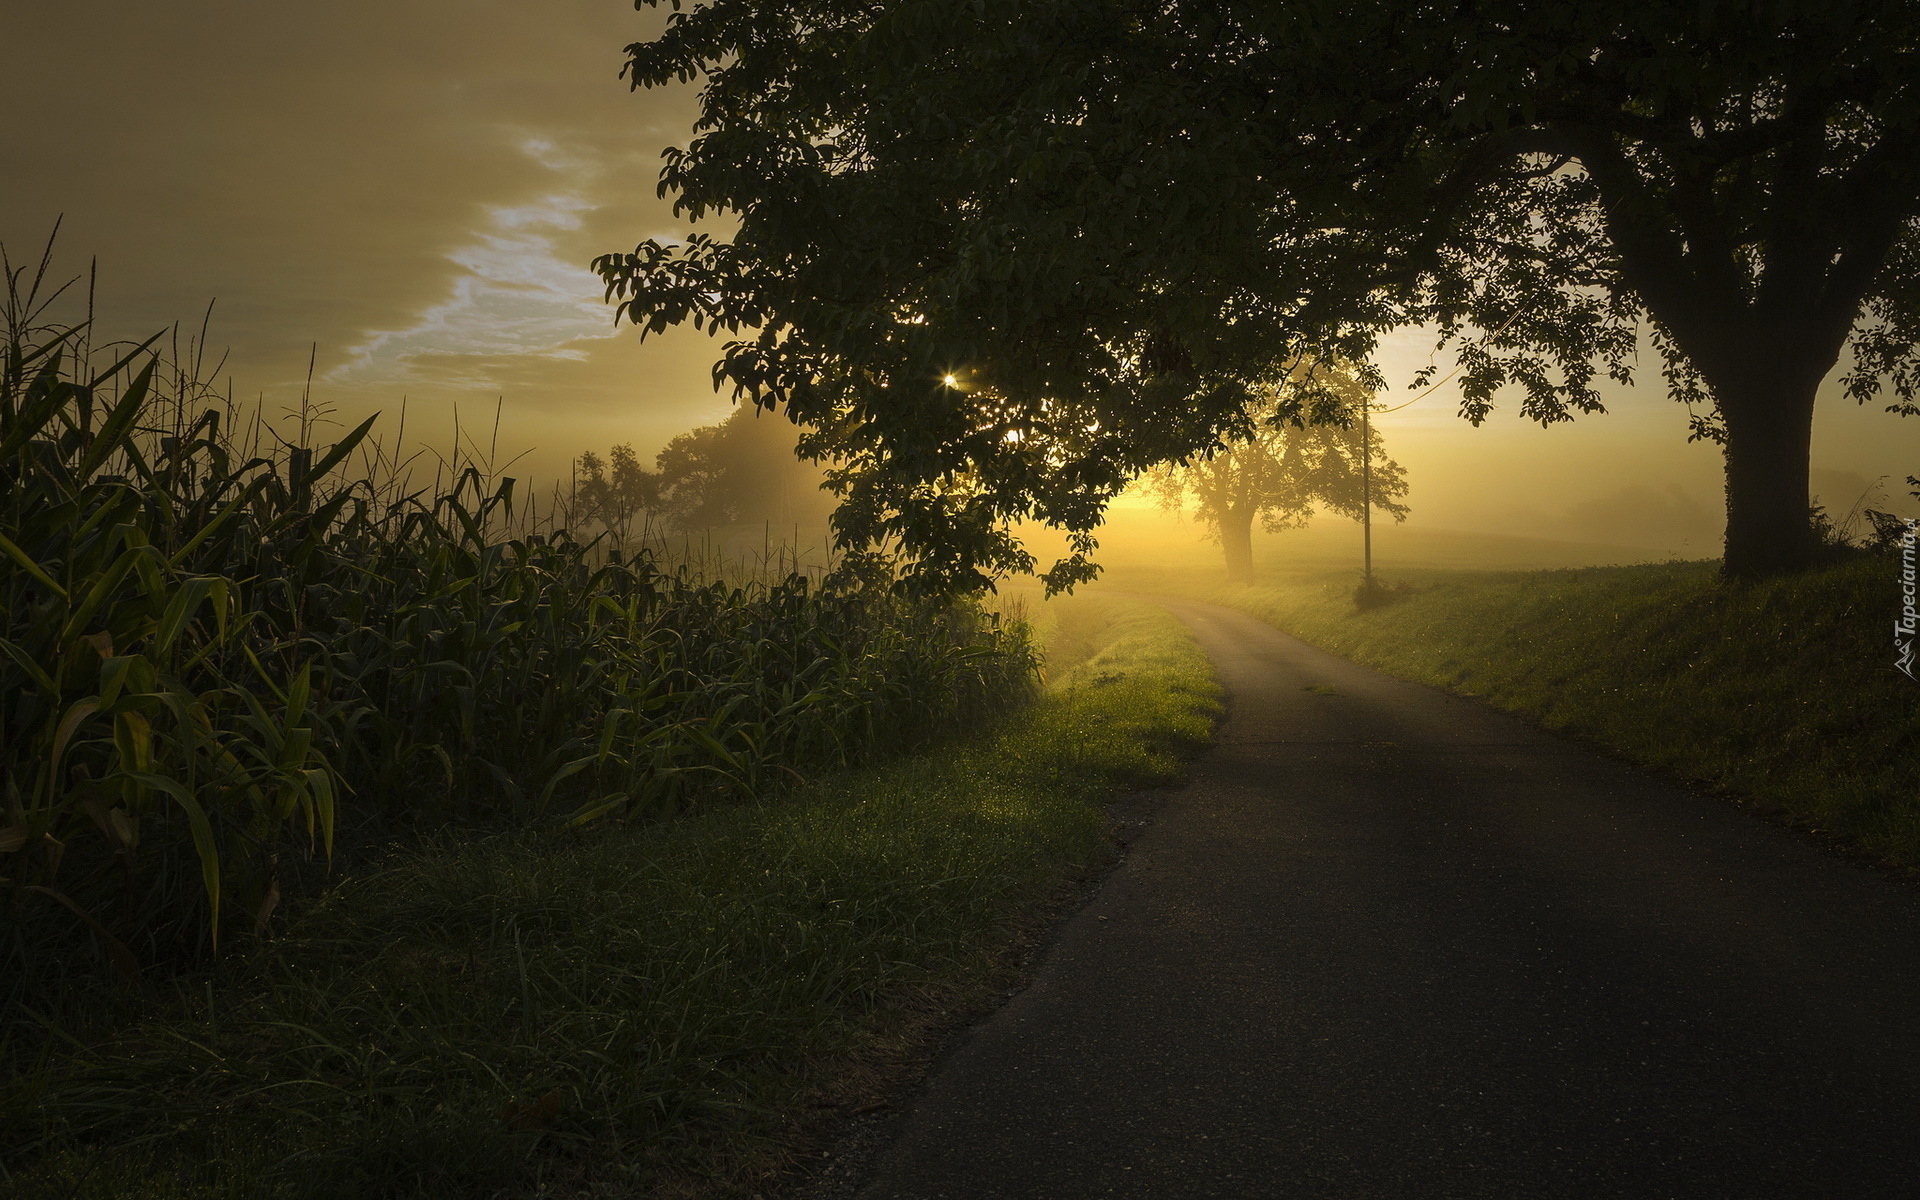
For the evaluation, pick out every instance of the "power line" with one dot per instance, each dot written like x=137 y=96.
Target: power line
x=1456 y=369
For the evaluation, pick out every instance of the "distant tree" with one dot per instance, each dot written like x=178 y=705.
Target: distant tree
x=742 y=470
x=1278 y=472
x=695 y=477
x=1110 y=222
x=613 y=492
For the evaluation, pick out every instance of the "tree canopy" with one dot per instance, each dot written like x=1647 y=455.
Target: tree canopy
x=741 y=470
x=613 y=492
x=1003 y=257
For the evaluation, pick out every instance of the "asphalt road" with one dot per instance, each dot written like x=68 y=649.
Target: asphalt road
x=1391 y=943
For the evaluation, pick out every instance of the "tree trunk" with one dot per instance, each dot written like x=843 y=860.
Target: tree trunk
x=1236 y=538
x=1769 y=425
x=1762 y=344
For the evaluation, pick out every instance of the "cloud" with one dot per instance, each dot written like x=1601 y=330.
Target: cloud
x=516 y=295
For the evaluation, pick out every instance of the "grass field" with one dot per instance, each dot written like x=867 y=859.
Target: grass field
x=1781 y=693
x=676 y=1008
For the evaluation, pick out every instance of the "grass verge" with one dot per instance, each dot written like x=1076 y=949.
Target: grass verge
x=1781 y=692
x=666 y=1008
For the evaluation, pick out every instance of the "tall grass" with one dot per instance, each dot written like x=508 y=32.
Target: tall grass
x=221 y=652
x=669 y=1009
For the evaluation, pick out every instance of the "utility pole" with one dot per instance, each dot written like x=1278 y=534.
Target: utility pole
x=1366 y=488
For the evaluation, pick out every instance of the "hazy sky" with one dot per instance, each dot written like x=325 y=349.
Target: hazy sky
x=415 y=186
x=418 y=185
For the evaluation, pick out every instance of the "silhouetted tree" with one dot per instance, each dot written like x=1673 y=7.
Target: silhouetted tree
x=742 y=470
x=1278 y=473
x=1112 y=222
x=614 y=492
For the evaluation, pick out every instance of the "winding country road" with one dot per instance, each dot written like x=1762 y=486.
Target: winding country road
x=1391 y=943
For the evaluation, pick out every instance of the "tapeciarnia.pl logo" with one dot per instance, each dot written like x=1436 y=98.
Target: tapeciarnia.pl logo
x=1903 y=627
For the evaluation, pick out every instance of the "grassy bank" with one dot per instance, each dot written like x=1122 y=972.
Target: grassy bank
x=674 y=1007
x=1781 y=692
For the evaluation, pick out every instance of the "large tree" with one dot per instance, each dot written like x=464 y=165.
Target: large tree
x=1002 y=257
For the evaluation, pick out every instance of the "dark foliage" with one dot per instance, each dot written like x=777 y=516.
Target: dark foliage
x=1003 y=257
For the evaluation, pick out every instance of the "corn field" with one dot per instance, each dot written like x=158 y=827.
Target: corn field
x=223 y=651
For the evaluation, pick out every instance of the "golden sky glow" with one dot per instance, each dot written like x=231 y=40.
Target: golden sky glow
x=418 y=187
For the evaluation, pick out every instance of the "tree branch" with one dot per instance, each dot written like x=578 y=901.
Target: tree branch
x=1652 y=259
